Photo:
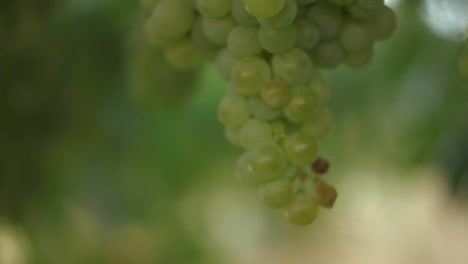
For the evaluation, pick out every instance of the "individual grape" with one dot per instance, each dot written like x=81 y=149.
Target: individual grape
x=245 y=170
x=183 y=55
x=328 y=55
x=171 y=18
x=302 y=105
x=293 y=66
x=320 y=166
x=267 y=162
x=208 y=47
x=243 y=42
x=275 y=93
x=355 y=36
x=342 y=2
x=233 y=111
x=284 y=18
x=217 y=30
x=261 y=110
x=249 y=74
x=301 y=148
x=325 y=193
x=277 y=194
x=232 y=135
x=264 y=8
x=303 y=210
x=320 y=125
x=156 y=38
x=224 y=62
x=308 y=34
x=277 y=40
x=328 y=19
x=321 y=88
x=214 y=8
x=358 y=59
x=301 y=13
x=242 y=17
x=254 y=133
x=365 y=9
x=384 y=24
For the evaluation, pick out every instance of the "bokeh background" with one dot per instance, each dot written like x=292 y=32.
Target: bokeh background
x=109 y=156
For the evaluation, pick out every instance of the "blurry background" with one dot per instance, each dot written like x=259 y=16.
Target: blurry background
x=109 y=156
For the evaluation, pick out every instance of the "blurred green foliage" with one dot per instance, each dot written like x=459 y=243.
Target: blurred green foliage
x=98 y=133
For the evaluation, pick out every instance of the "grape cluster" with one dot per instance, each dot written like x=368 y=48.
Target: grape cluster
x=463 y=60
x=275 y=108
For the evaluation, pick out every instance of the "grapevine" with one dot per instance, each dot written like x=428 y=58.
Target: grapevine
x=272 y=53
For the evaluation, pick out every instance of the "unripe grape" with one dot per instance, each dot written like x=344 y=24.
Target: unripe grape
x=277 y=40
x=301 y=148
x=255 y=133
x=355 y=36
x=224 y=63
x=232 y=135
x=172 y=18
x=293 y=66
x=277 y=194
x=328 y=55
x=308 y=34
x=264 y=8
x=303 y=210
x=242 y=17
x=302 y=105
x=284 y=18
x=261 y=110
x=243 y=42
x=233 y=110
x=267 y=162
x=321 y=125
x=275 y=93
x=245 y=170
x=328 y=19
x=183 y=55
x=384 y=24
x=358 y=59
x=214 y=8
x=217 y=30
x=365 y=9
x=321 y=89
x=248 y=75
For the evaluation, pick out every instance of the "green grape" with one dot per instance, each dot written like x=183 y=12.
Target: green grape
x=261 y=110
x=254 y=133
x=275 y=93
x=303 y=210
x=224 y=62
x=293 y=66
x=302 y=105
x=365 y=9
x=156 y=38
x=384 y=24
x=358 y=59
x=208 y=47
x=264 y=8
x=301 y=12
x=249 y=74
x=321 y=125
x=233 y=110
x=328 y=19
x=232 y=135
x=301 y=148
x=267 y=162
x=183 y=55
x=355 y=36
x=243 y=42
x=308 y=34
x=217 y=30
x=171 y=18
x=214 y=8
x=245 y=170
x=148 y=5
x=277 y=40
x=463 y=64
x=321 y=89
x=242 y=17
x=341 y=2
x=284 y=18
x=328 y=55
x=277 y=194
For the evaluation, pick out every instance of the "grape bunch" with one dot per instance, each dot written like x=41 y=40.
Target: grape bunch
x=463 y=60
x=271 y=53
